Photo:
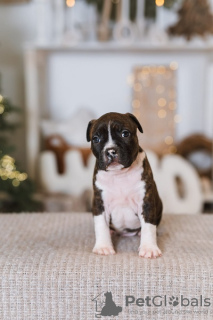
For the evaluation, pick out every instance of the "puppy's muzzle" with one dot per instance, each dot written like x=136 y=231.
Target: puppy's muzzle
x=111 y=155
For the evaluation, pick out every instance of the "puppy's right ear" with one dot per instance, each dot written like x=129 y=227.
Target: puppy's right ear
x=89 y=127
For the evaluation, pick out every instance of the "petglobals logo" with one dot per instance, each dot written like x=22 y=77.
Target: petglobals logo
x=159 y=301
x=105 y=305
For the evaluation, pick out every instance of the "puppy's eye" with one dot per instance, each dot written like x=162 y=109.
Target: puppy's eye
x=96 y=139
x=125 y=134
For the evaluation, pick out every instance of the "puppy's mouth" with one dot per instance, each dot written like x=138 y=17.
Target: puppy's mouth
x=113 y=163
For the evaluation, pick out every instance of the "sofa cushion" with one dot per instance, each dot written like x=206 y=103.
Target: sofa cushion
x=48 y=270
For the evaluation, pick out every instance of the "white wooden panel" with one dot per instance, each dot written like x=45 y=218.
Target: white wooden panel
x=98 y=81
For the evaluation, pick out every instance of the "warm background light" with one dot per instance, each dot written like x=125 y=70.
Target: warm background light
x=159 y=3
x=169 y=140
x=1 y=108
x=161 y=113
x=177 y=118
x=70 y=3
x=161 y=102
x=136 y=104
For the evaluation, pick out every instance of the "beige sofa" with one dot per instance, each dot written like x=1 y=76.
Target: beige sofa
x=48 y=270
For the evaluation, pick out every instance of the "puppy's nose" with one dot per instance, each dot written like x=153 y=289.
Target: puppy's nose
x=111 y=153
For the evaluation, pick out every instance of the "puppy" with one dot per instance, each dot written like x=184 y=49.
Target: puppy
x=125 y=199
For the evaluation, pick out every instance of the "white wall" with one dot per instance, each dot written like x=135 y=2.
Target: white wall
x=17 y=25
x=98 y=80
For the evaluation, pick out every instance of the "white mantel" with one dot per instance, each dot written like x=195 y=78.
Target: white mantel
x=183 y=46
x=61 y=79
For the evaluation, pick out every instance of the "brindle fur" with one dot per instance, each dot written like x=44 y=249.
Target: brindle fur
x=100 y=128
x=152 y=205
x=98 y=204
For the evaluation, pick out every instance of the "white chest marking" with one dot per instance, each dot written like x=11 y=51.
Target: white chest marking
x=123 y=193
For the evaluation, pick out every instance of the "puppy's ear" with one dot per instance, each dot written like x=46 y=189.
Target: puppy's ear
x=89 y=127
x=135 y=121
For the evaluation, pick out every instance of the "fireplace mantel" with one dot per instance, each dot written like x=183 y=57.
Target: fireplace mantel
x=60 y=79
x=113 y=47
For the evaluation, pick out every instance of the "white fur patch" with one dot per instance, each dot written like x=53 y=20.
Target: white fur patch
x=123 y=193
x=114 y=167
x=103 y=244
x=148 y=245
x=110 y=143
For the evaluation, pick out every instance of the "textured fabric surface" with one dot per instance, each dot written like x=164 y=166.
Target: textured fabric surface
x=47 y=269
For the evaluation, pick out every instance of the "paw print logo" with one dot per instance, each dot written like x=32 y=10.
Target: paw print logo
x=173 y=301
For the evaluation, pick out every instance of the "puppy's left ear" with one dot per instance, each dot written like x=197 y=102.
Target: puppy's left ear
x=135 y=121
x=89 y=127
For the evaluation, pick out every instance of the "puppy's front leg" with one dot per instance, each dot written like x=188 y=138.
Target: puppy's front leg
x=148 y=245
x=103 y=244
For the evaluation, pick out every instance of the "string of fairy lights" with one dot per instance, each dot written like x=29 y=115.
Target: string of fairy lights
x=1 y=104
x=8 y=171
x=163 y=101
x=7 y=163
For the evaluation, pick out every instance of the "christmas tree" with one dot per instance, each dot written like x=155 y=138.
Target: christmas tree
x=16 y=189
x=195 y=18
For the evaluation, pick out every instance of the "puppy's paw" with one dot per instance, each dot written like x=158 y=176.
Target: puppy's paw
x=103 y=250
x=149 y=251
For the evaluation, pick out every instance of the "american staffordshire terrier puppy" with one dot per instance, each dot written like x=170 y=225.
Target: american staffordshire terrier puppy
x=125 y=199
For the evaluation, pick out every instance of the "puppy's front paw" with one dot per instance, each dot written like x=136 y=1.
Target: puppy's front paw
x=149 y=251
x=104 y=250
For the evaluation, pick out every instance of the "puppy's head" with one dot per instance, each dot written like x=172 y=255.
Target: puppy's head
x=114 y=140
